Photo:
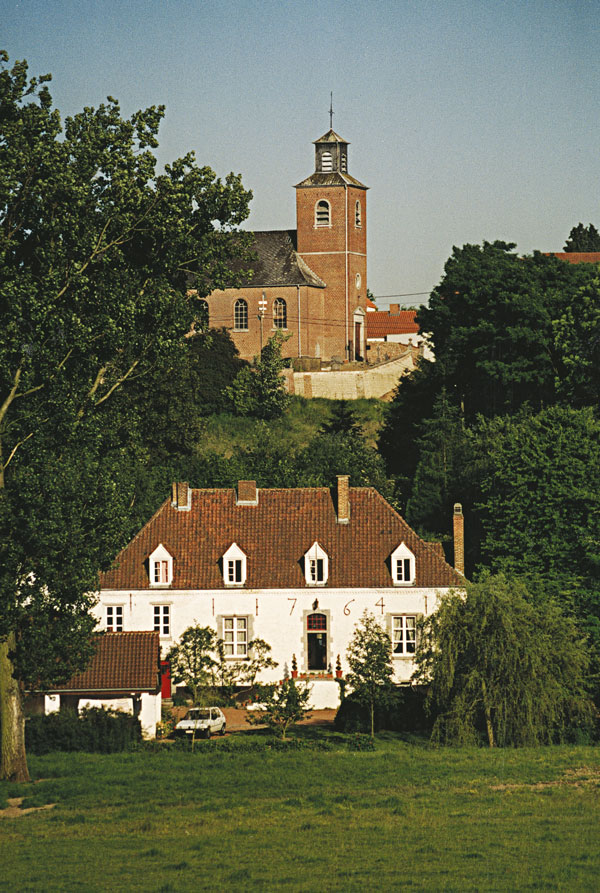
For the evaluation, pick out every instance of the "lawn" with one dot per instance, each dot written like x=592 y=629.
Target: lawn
x=404 y=816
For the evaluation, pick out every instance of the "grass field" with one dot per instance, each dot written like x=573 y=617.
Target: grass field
x=402 y=817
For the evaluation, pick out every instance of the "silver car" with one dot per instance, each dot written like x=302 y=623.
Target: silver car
x=201 y=722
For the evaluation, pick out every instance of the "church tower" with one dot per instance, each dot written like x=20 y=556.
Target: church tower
x=331 y=222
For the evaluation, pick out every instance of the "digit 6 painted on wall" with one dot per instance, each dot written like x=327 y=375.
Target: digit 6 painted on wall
x=347 y=606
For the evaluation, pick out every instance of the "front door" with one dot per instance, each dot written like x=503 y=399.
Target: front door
x=316 y=633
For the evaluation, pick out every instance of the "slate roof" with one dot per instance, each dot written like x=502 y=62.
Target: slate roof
x=577 y=257
x=331 y=137
x=381 y=323
x=331 y=178
x=127 y=661
x=277 y=263
x=275 y=535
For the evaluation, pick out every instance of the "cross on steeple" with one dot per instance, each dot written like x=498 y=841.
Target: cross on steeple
x=331 y=111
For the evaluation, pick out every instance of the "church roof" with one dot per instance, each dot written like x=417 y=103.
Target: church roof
x=276 y=261
x=331 y=137
x=274 y=534
x=331 y=178
x=576 y=257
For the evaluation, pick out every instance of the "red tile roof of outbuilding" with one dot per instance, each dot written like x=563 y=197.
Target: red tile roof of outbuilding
x=381 y=323
x=126 y=661
x=577 y=257
x=274 y=535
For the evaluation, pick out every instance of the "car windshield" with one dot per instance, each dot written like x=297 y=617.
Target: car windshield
x=198 y=714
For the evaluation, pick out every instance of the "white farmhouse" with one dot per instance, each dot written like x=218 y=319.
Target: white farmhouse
x=296 y=567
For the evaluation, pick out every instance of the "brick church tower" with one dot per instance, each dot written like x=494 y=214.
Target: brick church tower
x=331 y=221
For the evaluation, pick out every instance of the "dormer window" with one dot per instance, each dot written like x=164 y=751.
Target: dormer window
x=161 y=567
x=234 y=566
x=316 y=566
x=403 y=566
x=322 y=213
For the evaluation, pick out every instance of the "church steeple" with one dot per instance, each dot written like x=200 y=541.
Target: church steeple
x=331 y=154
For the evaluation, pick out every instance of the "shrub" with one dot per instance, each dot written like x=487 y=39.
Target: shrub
x=96 y=730
x=404 y=711
x=360 y=741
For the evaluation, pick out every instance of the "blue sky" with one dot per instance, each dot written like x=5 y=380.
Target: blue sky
x=467 y=120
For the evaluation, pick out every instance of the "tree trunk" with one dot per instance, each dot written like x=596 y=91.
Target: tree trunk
x=13 y=765
x=488 y=715
x=372 y=719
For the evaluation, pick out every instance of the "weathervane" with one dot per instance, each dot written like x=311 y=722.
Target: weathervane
x=331 y=111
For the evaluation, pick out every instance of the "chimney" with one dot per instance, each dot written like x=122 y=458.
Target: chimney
x=181 y=496
x=247 y=493
x=343 y=498
x=459 y=539
x=394 y=309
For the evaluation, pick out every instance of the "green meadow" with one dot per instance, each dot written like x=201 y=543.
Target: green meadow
x=405 y=816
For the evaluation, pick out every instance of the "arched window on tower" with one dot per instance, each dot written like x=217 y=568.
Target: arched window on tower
x=326 y=162
x=322 y=213
x=279 y=314
x=357 y=215
x=240 y=315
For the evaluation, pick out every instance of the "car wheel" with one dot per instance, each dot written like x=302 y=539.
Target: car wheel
x=222 y=729
x=207 y=733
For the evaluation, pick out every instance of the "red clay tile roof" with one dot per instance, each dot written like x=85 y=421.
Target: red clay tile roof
x=381 y=323
x=576 y=257
x=127 y=661
x=275 y=535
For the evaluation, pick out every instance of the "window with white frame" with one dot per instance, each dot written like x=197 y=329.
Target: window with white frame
x=403 y=566
x=234 y=566
x=322 y=213
x=240 y=315
x=161 y=567
x=114 y=618
x=235 y=636
x=404 y=635
x=279 y=314
x=162 y=619
x=316 y=566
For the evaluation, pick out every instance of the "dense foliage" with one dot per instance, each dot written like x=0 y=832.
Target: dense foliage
x=95 y=252
x=95 y=730
x=498 y=665
x=583 y=238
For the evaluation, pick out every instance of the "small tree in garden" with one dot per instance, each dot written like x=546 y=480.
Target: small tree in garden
x=369 y=656
x=259 y=659
x=285 y=705
x=192 y=659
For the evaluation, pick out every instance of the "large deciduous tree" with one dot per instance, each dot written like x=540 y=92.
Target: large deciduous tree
x=96 y=248
x=501 y=668
x=583 y=238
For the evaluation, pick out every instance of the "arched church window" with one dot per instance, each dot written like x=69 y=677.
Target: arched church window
x=357 y=215
x=240 y=314
x=322 y=213
x=279 y=314
x=326 y=162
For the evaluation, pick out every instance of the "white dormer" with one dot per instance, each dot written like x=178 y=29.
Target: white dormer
x=234 y=566
x=316 y=566
x=403 y=566
x=161 y=567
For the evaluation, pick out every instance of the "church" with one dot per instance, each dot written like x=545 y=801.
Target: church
x=310 y=283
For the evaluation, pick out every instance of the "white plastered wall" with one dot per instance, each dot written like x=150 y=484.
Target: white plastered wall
x=278 y=617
